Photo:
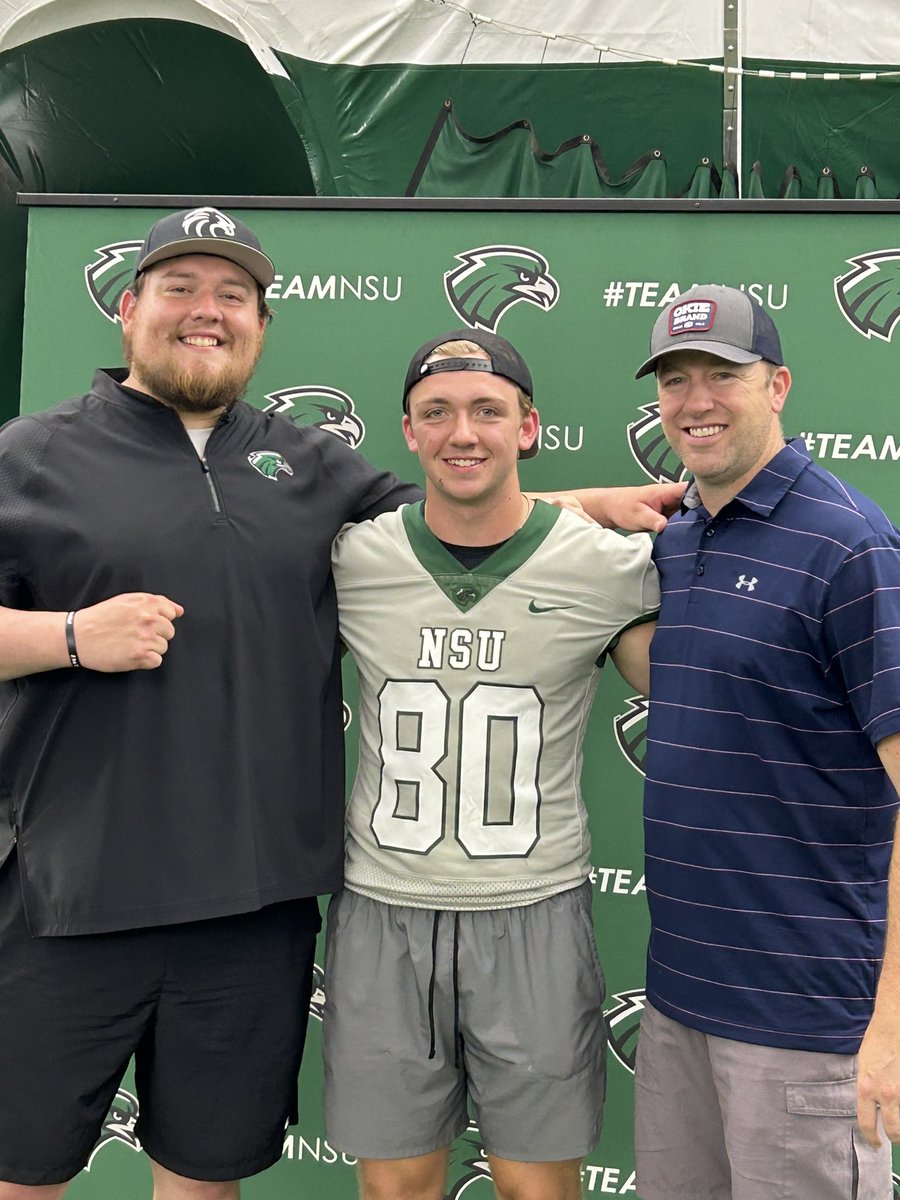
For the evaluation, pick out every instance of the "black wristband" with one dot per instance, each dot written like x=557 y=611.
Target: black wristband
x=70 y=640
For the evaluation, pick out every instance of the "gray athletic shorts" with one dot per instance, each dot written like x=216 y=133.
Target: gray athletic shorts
x=722 y=1120
x=423 y=1008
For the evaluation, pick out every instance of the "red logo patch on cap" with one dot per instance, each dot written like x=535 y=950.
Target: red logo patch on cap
x=693 y=316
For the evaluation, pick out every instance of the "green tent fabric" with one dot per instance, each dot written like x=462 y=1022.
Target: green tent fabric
x=511 y=162
x=813 y=123
x=865 y=185
x=131 y=106
x=619 y=111
x=627 y=109
x=826 y=187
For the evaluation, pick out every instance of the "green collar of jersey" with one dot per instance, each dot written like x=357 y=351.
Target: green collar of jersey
x=465 y=588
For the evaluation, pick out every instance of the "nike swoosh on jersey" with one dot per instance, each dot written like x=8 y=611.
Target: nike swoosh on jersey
x=537 y=608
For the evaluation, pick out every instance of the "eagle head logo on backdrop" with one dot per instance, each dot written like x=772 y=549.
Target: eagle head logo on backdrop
x=109 y=275
x=119 y=1125
x=623 y=1025
x=469 y=1170
x=651 y=451
x=491 y=279
x=327 y=408
x=317 y=996
x=630 y=729
x=869 y=295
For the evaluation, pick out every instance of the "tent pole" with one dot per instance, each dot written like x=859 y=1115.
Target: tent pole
x=731 y=101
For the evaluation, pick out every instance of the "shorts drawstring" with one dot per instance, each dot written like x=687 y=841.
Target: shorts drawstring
x=456 y=1036
x=432 y=983
x=434 y=936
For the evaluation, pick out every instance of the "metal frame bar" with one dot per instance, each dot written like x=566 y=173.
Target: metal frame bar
x=732 y=57
x=452 y=204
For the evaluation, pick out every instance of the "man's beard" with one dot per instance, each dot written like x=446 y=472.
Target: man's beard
x=193 y=391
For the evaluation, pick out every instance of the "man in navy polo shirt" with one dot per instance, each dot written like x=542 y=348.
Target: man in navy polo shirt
x=767 y=1066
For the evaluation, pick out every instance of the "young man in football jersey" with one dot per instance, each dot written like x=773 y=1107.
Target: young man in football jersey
x=461 y=962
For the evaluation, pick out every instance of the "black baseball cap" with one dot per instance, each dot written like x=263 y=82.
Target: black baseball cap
x=206 y=230
x=719 y=320
x=503 y=359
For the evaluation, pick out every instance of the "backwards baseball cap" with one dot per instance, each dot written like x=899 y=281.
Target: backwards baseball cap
x=206 y=231
x=503 y=359
x=719 y=320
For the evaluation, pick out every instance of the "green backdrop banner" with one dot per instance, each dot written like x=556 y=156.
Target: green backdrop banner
x=357 y=290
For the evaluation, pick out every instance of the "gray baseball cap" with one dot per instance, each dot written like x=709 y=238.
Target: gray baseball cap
x=719 y=320
x=206 y=230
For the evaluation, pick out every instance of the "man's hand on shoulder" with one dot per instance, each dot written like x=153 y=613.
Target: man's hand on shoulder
x=567 y=500
x=640 y=509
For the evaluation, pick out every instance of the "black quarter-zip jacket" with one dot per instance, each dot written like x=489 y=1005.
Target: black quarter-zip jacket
x=214 y=784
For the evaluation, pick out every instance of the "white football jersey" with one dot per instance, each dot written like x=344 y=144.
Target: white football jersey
x=475 y=690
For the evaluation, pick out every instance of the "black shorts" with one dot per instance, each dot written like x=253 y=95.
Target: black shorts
x=213 y=1011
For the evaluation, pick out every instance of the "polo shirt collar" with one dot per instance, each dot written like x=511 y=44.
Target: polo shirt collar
x=768 y=486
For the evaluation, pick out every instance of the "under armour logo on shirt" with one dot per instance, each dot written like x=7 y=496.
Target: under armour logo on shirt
x=744 y=582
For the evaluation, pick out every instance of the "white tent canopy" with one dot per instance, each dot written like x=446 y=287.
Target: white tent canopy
x=368 y=32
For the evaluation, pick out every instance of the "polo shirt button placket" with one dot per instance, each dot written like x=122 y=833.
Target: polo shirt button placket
x=700 y=567
x=708 y=532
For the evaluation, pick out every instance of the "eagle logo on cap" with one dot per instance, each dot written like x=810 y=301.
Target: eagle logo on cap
x=208 y=222
x=325 y=407
x=869 y=295
x=492 y=279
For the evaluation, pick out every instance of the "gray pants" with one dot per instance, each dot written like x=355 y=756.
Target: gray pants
x=717 y=1119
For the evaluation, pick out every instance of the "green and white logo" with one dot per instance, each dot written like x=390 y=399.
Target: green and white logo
x=109 y=275
x=118 y=1125
x=327 y=408
x=651 y=451
x=492 y=279
x=269 y=463
x=631 y=731
x=869 y=295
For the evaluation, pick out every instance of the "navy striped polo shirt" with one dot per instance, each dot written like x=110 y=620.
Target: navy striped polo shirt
x=768 y=817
